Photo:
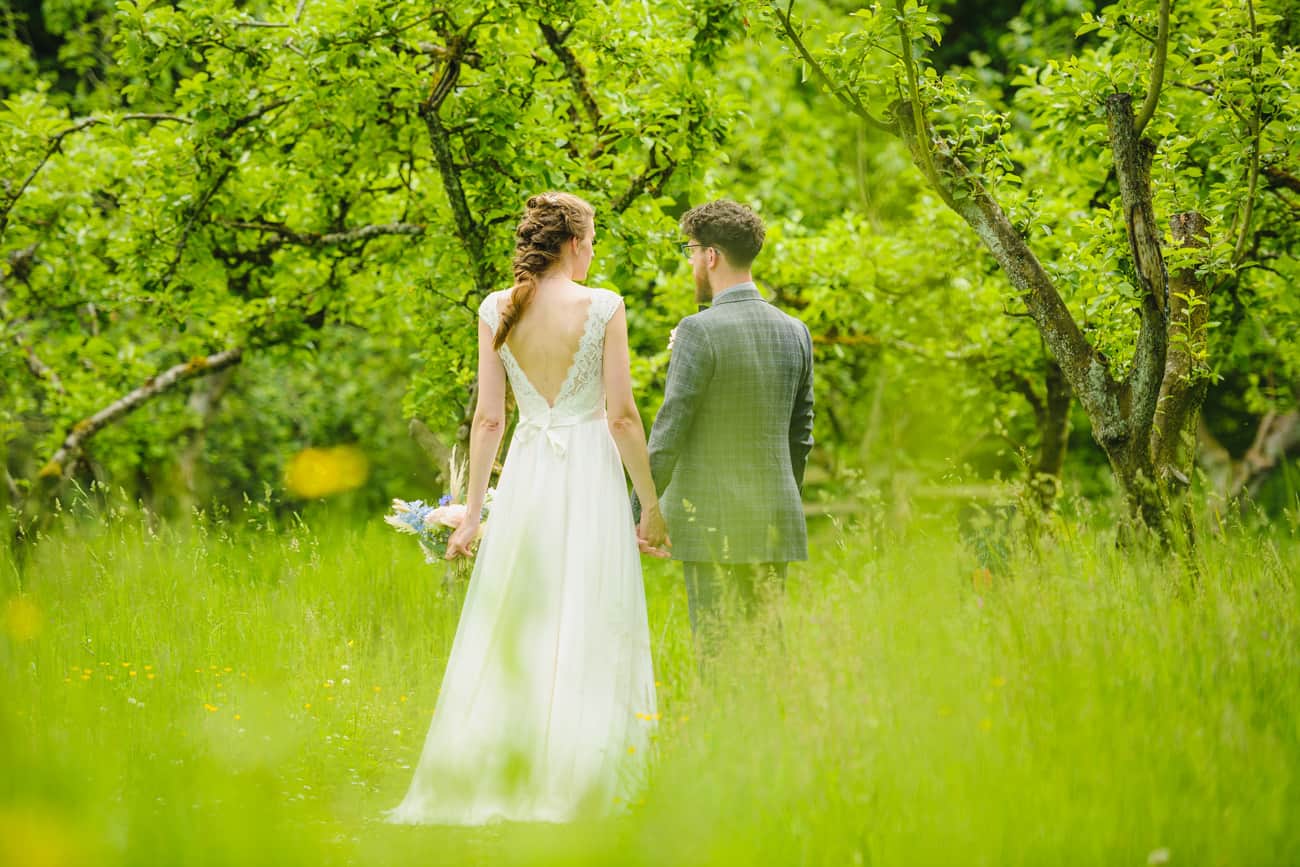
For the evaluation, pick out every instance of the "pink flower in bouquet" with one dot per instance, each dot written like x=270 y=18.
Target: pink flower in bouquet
x=451 y=515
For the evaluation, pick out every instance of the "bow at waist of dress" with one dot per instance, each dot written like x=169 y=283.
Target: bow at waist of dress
x=549 y=421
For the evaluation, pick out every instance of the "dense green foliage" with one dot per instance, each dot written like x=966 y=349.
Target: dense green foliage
x=331 y=187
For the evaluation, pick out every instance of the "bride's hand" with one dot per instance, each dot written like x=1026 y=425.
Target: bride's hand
x=652 y=532
x=462 y=539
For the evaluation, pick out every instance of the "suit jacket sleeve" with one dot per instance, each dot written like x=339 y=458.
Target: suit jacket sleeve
x=689 y=372
x=801 y=415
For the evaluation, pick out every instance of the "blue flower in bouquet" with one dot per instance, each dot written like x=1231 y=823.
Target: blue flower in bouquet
x=409 y=517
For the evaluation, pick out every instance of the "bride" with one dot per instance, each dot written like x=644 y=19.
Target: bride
x=548 y=699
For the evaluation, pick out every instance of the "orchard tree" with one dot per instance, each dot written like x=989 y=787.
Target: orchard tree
x=1067 y=203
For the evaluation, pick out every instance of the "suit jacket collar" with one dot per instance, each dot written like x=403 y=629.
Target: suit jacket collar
x=739 y=292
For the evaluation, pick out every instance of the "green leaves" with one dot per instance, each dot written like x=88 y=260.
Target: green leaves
x=255 y=217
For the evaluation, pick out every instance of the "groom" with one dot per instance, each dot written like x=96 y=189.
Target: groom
x=728 y=448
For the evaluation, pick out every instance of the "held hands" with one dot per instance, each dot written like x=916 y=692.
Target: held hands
x=652 y=533
x=463 y=538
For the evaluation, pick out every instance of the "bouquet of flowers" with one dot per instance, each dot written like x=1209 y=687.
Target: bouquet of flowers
x=433 y=525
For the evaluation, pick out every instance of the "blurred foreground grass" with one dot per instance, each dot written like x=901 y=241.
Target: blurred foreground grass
x=227 y=694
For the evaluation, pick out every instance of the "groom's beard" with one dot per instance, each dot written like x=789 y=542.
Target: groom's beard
x=703 y=291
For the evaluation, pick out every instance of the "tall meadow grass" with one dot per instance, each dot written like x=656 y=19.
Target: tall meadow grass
x=246 y=692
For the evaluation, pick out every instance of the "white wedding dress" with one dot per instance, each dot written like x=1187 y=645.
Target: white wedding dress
x=548 y=699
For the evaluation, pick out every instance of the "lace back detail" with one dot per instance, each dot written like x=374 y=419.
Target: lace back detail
x=583 y=388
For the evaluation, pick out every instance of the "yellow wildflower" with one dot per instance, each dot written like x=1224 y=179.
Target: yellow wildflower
x=22 y=619
x=320 y=472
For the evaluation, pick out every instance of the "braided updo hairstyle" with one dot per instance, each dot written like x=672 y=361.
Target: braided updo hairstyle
x=550 y=220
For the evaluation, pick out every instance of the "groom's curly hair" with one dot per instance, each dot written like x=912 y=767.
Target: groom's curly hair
x=727 y=226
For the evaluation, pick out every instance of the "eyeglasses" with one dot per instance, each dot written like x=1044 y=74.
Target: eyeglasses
x=686 y=249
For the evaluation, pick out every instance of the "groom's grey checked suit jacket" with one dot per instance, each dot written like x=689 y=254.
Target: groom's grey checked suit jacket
x=728 y=448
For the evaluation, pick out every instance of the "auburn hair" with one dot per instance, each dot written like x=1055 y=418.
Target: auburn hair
x=550 y=220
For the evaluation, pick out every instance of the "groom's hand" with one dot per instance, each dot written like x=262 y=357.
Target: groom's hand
x=652 y=533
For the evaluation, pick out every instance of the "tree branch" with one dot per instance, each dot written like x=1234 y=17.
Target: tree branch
x=1281 y=179
x=469 y=231
x=239 y=123
x=1256 y=128
x=923 y=137
x=1125 y=22
x=317 y=239
x=575 y=72
x=849 y=99
x=191 y=222
x=73 y=444
x=1278 y=435
x=15 y=495
x=1024 y=386
x=1158 y=70
x=653 y=174
x=196 y=211
x=39 y=368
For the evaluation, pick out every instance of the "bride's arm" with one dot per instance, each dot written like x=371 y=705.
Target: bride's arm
x=624 y=420
x=484 y=438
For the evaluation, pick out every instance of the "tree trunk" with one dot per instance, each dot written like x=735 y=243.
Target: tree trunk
x=1052 y=423
x=1120 y=413
x=1053 y=417
x=203 y=402
x=1130 y=450
x=1186 y=379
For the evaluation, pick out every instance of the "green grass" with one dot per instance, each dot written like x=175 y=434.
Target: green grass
x=1093 y=706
